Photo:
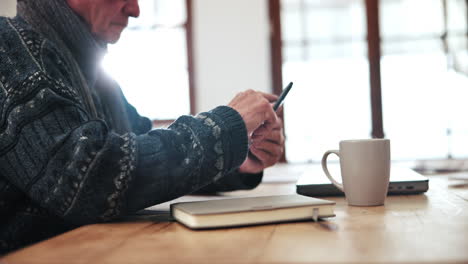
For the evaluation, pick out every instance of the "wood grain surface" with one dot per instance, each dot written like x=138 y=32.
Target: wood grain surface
x=426 y=228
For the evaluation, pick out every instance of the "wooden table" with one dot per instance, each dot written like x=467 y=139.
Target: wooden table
x=431 y=228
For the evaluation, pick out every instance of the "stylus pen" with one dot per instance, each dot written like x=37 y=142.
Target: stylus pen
x=282 y=96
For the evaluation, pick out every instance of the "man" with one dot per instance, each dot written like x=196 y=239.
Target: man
x=73 y=151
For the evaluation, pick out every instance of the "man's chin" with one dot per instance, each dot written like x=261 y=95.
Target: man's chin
x=110 y=38
x=113 y=40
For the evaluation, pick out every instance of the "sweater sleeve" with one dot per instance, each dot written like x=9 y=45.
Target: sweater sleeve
x=76 y=168
x=232 y=182
x=190 y=154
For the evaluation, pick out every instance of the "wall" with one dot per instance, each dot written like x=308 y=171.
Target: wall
x=7 y=8
x=231 y=49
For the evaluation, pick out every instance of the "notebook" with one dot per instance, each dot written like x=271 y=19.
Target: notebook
x=250 y=211
x=313 y=181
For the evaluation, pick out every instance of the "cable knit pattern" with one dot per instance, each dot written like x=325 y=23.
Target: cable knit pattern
x=121 y=181
x=62 y=167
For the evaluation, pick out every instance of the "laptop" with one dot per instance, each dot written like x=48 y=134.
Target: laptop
x=313 y=181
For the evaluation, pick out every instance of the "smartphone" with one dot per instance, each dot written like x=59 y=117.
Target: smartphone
x=282 y=96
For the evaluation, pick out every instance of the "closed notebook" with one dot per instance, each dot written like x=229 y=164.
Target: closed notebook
x=250 y=211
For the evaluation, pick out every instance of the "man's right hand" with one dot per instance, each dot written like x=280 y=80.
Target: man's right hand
x=256 y=109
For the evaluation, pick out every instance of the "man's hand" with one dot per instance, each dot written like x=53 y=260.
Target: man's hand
x=256 y=110
x=265 y=150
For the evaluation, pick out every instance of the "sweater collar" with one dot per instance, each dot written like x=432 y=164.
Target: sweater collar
x=60 y=24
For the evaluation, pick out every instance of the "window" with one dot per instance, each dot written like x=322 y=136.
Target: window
x=150 y=61
x=325 y=53
x=424 y=108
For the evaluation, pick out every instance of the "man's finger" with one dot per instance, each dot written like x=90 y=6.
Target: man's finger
x=272 y=148
x=262 y=130
x=279 y=111
x=264 y=157
x=271 y=120
x=269 y=97
x=276 y=136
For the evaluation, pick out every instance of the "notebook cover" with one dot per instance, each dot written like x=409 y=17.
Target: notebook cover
x=236 y=205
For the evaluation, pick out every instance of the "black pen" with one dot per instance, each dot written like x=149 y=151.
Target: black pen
x=282 y=96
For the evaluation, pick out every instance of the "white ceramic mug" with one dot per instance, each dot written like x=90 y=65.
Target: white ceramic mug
x=365 y=170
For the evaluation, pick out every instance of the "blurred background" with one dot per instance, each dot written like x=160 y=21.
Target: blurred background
x=361 y=68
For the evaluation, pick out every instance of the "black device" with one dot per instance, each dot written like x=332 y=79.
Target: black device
x=313 y=182
x=282 y=96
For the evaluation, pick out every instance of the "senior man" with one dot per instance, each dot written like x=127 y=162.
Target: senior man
x=73 y=151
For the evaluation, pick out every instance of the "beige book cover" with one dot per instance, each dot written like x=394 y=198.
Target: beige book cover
x=250 y=211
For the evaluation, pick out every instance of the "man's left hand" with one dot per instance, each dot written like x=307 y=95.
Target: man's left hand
x=266 y=148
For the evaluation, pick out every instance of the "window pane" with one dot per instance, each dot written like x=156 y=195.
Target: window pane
x=423 y=104
x=291 y=25
x=415 y=105
x=330 y=98
x=424 y=107
x=345 y=21
x=160 y=12
x=150 y=63
x=342 y=49
x=411 y=18
x=170 y=12
x=329 y=103
x=410 y=46
x=423 y=98
x=457 y=38
x=457 y=15
x=292 y=53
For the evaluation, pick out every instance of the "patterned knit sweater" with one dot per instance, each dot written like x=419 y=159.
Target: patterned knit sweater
x=60 y=168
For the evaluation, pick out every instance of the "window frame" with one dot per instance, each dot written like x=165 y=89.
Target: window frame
x=374 y=46
x=188 y=25
x=374 y=55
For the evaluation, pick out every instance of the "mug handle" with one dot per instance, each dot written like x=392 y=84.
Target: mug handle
x=325 y=168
